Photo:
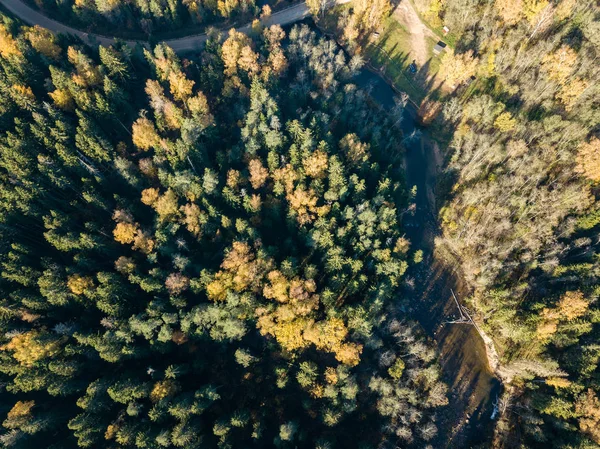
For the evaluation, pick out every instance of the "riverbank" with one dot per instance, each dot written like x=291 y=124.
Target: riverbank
x=428 y=296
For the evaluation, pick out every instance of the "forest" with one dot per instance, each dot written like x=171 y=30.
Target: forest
x=210 y=250
x=521 y=207
x=517 y=113
x=203 y=252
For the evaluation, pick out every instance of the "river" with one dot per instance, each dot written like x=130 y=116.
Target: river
x=466 y=422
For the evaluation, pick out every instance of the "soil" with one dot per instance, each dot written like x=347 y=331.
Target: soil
x=407 y=16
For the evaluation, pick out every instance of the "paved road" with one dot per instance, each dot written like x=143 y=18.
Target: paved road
x=182 y=45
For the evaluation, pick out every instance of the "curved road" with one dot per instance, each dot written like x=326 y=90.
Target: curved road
x=182 y=45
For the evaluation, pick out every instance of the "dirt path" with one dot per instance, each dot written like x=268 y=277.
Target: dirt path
x=407 y=16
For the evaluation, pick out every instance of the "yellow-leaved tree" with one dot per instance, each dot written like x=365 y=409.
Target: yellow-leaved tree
x=588 y=159
x=457 y=68
x=511 y=11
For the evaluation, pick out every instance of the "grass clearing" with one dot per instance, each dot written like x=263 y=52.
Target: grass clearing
x=450 y=39
x=392 y=52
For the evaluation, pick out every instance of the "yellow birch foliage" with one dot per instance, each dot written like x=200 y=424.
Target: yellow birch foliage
x=237 y=53
x=167 y=205
x=62 y=98
x=162 y=390
x=531 y=9
x=258 y=173
x=370 y=13
x=505 y=122
x=150 y=196
x=8 y=45
x=510 y=11
x=434 y=13
x=560 y=64
x=19 y=415
x=564 y=9
x=457 y=68
x=351 y=31
x=87 y=73
x=588 y=407
x=248 y=60
x=331 y=376
x=329 y=335
x=571 y=306
x=112 y=429
x=27 y=349
x=304 y=203
x=125 y=232
x=255 y=203
x=286 y=177
x=240 y=271
x=265 y=12
x=198 y=105
x=21 y=409
x=43 y=41
x=125 y=265
x=233 y=178
x=588 y=159
x=570 y=92
x=181 y=87
x=173 y=115
x=23 y=91
x=276 y=64
x=558 y=382
x=316 y=164
x=291 y=323
x=193 y=218
x=79 y=284
x=143 y=242
x=547 y=329
x=144 y=134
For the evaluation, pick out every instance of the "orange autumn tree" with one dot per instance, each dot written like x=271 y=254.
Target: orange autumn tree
x=291 y=316
x=571 y=306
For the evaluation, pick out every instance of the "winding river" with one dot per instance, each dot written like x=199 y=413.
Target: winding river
x=473 y=387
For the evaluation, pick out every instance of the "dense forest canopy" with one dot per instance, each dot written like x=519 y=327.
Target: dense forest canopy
x=208 y=252
x=522 y=212
x=202 y=252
